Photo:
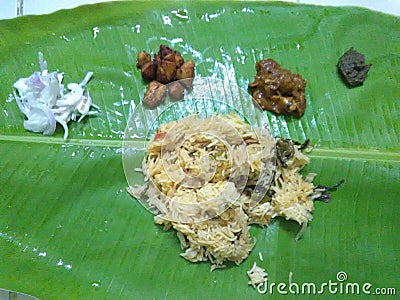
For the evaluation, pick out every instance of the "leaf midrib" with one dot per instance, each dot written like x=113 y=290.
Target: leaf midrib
x=365 y=154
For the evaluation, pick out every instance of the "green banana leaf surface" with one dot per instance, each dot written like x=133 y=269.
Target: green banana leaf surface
x=68 y=228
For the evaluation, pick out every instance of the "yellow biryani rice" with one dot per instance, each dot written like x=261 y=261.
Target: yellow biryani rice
x=210 y=179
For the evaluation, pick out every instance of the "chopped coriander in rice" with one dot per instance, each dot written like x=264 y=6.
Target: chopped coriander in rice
x=42 y=99
x=207 y=232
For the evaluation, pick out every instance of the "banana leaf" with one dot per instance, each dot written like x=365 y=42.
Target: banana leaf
x=68 y=228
